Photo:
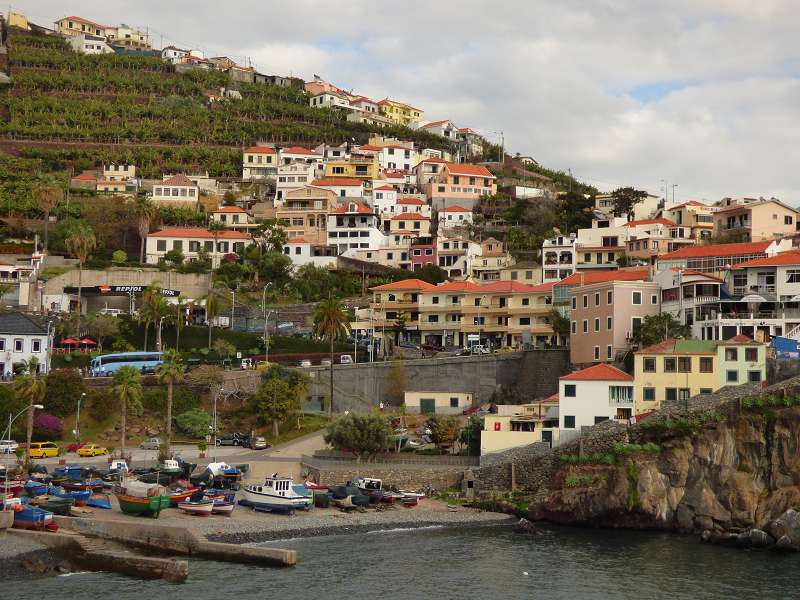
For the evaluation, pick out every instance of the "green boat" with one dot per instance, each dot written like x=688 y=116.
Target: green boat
x=144 y=507
x=57 y=506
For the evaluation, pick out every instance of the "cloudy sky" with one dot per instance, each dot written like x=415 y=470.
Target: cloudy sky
x=701 y=93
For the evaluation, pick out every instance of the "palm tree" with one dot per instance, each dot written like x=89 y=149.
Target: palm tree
x=30 y=387
x=212 y=311
x=146 y=212
x=178 y=318
x=331 y=322
x=170 y=371
x=48 y=196
x=215 y=228
x=80 y=242
x=127 y=386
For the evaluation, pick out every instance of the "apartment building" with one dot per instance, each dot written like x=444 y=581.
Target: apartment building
x=562 y=290
x=689 y=295
x=677 y=370
x=558 y=257
x=491 y=260
x=234 y=217
x=454 y=216
x=698 y=217
x=605 y=316
x=302 y=252
x=593 y=395
x=427 y=169
x=529 y=273
x=193 y=243
x=461 y=185
x=718 y=259
x=259 y=162
x=354 y=225
x=343 y=187
x=662 y=237
x=292 y=176
x=456 y=255
x=400 y=156
x=118 y=172
x=361 y=168
x=304 y=213
x=399 y=112
x=762 y=220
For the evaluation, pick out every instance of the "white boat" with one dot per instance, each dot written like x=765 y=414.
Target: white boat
x=275 y=494
x=201 y=508
x=223 y=508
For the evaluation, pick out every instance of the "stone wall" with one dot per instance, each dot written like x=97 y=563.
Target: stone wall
x=403 y=476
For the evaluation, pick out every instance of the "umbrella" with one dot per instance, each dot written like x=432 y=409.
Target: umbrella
x=87 y=342
x=69 y=342
x=753 y=298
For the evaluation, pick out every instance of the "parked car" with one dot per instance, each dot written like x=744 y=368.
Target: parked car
x=151 y=444
x=233 y=439
x=346 y=359
x=247 y=363
x=114 y=312
x=92 y=450
x=8 y=446
x=305 y=363
x=43 y=450
x=260 y=443
x=479 y=349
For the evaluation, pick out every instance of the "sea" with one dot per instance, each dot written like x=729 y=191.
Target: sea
x=489 y=562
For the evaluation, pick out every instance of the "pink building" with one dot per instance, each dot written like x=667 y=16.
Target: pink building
x=423 y=252
x=460 y=184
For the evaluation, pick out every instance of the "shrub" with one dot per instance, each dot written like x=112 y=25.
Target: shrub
x=47 y=427
x=184 y=399
x=101 y=405
x=194 y=422
x=361 y=434
x=63 y=388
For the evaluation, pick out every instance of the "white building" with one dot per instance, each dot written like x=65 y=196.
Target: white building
x=593 y=395
x=86 y=43
x=688 y=295
x=558 y=257
x=300 y=154
x=177 y=189
x=343 y=187
x=329 y=99
x=413 y=204
x=393 y=156
x=427 y=169
x=22 y=338
x=444 y=128
x=456 y=255
x=192 y=242
x=259 y=162
x=176 y=56
x=292 y=176
x=354 y=225
x=384 y=199
x=454 y=216
x=303 y=252
x=233 y=217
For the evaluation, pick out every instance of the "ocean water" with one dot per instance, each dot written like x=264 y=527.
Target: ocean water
x=476 y=562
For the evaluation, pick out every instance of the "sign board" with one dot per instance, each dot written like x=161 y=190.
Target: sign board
x=473 y=337
x=120 y=290
x=239 y=355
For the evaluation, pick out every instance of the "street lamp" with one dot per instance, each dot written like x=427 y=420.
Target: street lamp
x=77 y=430
x=7 y=434
x=220 y=391
x=160 y=322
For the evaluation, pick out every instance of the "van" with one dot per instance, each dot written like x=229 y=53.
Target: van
x=43 y=450
x=346 y=359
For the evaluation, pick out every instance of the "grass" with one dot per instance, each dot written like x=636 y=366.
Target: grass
x=287 y=431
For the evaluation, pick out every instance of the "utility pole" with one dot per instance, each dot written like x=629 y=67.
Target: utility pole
x=674 y=185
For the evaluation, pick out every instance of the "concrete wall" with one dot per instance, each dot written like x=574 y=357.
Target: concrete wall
x=362 y=387
x=403 y=476
x=190 y=285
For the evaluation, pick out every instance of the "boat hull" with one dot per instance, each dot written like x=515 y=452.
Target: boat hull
x=143 y=507
x=201 y=509
x=223 y=508
x=32 y=518
x=271 y=503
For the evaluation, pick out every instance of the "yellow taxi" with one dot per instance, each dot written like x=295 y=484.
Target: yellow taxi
x=92 y=450
x=43 y=450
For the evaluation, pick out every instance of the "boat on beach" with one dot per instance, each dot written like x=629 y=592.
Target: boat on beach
x=99 y=501
x=79 y=496
x=35 y=488
x=181 y=495
x=276 y=494
x=83 y=484
x=149 y=506
x=57 y=506
x=222 y=507
x=201 y=508
x=32 y=517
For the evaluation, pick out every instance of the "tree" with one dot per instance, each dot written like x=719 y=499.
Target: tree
x=270 y=236
x=625 y=199
x=229 y=198
x=48 y=195
x=80 y=242
x=558 y=322
x=127 y=387
x=363 y=434
x=224 y=348
x=63 y=388
x=275 y=267
x=196 y=422
x=30 y=388
x=470 y=436
x=576 y=212
x=331 y=322
x=657 y=328
x=170 y=371
x=212 y=311
x=175 y=257
x=101 y=327
x=119 y=257
x=399 y=328
x=276 y=401
x=178 y=318
x=444 y=429
x=145 y=212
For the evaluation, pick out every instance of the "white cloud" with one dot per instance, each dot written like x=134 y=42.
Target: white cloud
x=560 y=78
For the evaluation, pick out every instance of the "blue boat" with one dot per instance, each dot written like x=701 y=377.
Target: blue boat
x=99 y=502
x=80 y=496
x=35 y=488
x=69 y=472
x=31 y=517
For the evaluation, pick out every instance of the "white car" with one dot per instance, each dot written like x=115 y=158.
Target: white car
x=305 y=363
x=114 y=312
x=346 y=359
x=8 y=446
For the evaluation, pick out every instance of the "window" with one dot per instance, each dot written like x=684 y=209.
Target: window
x=731 y=354
x=597 y=352
x=569 y=390
x=754 y=376
x=600 y=420
x=636 y=323
x=574 y=329
x=649 y=394
x=513 y=275
x=2 y=343
x=433 y=318
x=732 y=376
x=751 y=354
x=649 y=365
x=526 y=301
x=637 y=298
x=36 y=346
x=574 y=303
x=585 y=301
x=654 y=299
x=671 y=394
x=585 y=326
x=597 y=298
x=435 y=300
x=453 y=402
x=524 y=320
x=685 y=364
x=670 y=365
x=569 y=422
x=18 y=345
x=609 y=323
x=706 y=364
x=791 y=277
x=706 y=390
x=161 y=245
x=609 y=297
x=596 y=325
x=787 y=220
x=609 y=352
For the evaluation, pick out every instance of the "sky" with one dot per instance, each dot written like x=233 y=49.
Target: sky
x=701 y=94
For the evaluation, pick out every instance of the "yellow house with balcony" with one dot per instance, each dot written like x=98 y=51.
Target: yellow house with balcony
x=366 y=168
x=399 y=112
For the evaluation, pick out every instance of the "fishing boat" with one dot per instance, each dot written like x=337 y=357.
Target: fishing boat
x=35 y=488
x=166 y=472
x=182 y=495
x=32 y=517
x=79 y=496
x=84 y=484
x=409 y=501
x=221 y=507
x=57 y=506
x=349 y=494
x=201 y=508
x=150 y=506
x=99 y=501
x=275 y=494
x=68 y=472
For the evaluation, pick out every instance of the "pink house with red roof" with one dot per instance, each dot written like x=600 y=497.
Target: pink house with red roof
x=460 y=185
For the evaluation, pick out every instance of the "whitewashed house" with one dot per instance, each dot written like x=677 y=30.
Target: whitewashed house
x=259 y=162
x=177 y=189
x=303 y=252
x=23 y=337
x=454 y=216
x=593 y=395
x=192 y=242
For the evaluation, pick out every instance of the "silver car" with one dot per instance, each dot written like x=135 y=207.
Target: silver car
x=151 y=444
x=8 y=446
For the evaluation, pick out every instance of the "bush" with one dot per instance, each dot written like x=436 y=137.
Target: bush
x=194 y=422
x=101 y=405
x=47 y=427
x=63 y=388
x=361 y=434
x=183 y=400
x=154 y=399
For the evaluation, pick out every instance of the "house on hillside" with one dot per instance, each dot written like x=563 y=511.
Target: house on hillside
x=23 y=337
x=177 y=189
x=460 y=184
x=593 y=395
x=454 y=216
x=762 y=220
x=193 y=242
x=259 y=162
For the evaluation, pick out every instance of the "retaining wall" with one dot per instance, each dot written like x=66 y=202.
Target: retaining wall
x=397 y=475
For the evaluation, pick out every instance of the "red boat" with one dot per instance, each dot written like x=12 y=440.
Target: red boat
x=182 y=496
x=76 y=486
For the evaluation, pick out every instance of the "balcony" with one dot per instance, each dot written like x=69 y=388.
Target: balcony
x=744 y=290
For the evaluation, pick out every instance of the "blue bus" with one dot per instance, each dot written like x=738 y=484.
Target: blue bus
x=108 y=364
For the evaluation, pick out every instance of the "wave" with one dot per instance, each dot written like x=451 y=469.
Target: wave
x=400 y=529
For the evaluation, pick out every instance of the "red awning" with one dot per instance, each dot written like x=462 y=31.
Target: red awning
x=70 y=342
x=87 y=342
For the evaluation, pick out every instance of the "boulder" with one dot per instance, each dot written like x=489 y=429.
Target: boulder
x=705 y=536
x=703 y=522
x=526 y=526
x=784 y=543
x=760 y=538
x=724 y=538
x=788 y=524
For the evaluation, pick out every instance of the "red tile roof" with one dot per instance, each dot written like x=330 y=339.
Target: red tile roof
x=298 y=240
x=544 y=287
x=458 y=286
x=433 y=159
x=666 y=222
x=230 y=209
x=739 y=339
x=410 y=200
x=791 y=257
x=690 y=203
x=191 y=232
x=178 y=180
x=589 y=277
x=601 y=372
x=85 y=177
x=299 y=150
x=469 y=170
x=361 y=208
x=385 y=187
x=409 y=217
x=337 y=181
x=260 y=150
x=455 y=208
x=718 y=250
x=406 y=284
x=506 y=286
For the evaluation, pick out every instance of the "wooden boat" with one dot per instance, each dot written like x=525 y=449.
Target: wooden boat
x=99 y=501
x=409 y=501
x=201 y=508
x=222 y=507
x=182 y=495
x=68 y=472
x=57 y=506
x=35 y=488
x=31 y=517
x=146 y=507
x=275 y=494
x=86 y=484
x=79 y=496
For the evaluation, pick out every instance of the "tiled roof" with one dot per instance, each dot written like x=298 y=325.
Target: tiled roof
x=690 y=203
x=406 y=284
x=589 y=277
x=192 y=232
x=458 y=286
x=601 y=372
x=260 y=150
x=695 y=273
x=433 y=159
x=85 y=177
x=469 y=170
x=739 y=339
x=344 y=208
x=544 y=287
x=230 y=209
x=409 y=217
x=299 y=150
x=455 y=208
x=666 y=222
x=387 y=188
x=673 y=346
x=718 y=250
x=791 y=257
x=298 y=240
x=506 y=286
x=18 y=323
x=434 y=124
x=337 y=181
x=410 y=200
x=178 y=180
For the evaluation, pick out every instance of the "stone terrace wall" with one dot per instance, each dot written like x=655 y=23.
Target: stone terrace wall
x=404 y=476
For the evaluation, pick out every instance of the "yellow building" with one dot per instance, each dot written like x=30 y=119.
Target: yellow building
x=358 y=168
x=514 y=425
x=18 y=20
x=440 y=403
x=399 y=112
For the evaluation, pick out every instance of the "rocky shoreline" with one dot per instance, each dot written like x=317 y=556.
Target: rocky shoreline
x=22 y=559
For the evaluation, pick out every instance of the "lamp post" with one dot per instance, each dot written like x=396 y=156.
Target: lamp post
x=158 y=338
x=219 y=391
x=77 y=431
x=7 y=433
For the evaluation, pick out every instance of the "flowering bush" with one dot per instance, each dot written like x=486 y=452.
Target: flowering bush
x=47 y=428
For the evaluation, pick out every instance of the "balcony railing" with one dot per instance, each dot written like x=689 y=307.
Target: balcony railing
x=743 y=290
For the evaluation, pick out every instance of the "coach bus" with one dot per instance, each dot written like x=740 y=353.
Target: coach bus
x=108 y=364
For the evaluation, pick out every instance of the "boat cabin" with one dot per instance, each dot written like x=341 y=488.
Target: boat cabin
x=171 y=465
x=368 y=483
x=276 y=484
